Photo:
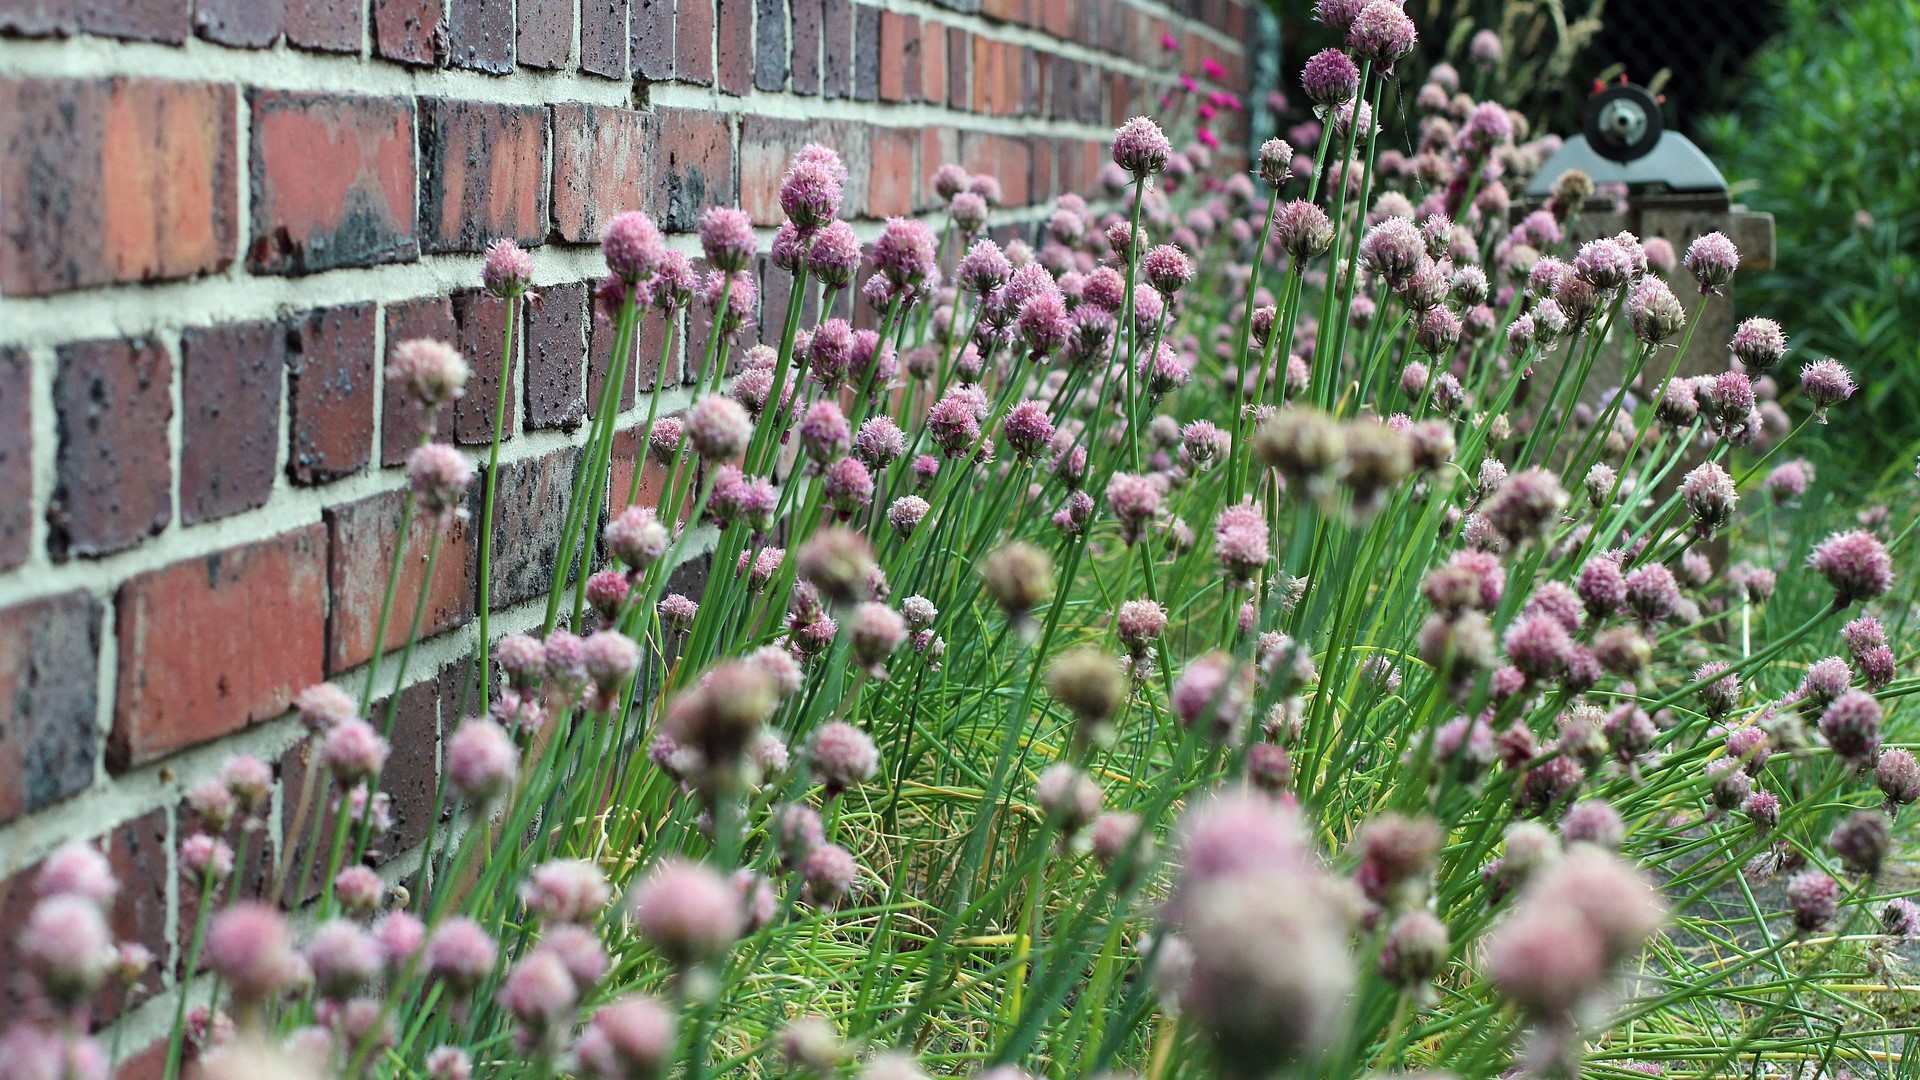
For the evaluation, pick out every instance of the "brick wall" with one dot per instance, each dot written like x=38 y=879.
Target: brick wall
x=215 y=217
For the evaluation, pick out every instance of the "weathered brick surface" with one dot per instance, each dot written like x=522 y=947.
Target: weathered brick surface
x=546 y=32
x=16 y=458
x=191 y=665
x=230 y=418
x=891 y=171
x=252 y=24
x=330 y=373
x=529 y=511
x=693 y=42
x=733 y=63
x=836 y=48
x=866 y=53
x=135 y=20
x=807 y=16
x=49 y=651
x=651 y=38
x=113 y=472
x=120 y=180
x=482 y=321
x=770 y=57
x=555 y=354
x=402 y=421
x=602 y=165
x=361 y=539
x=333 y=182
x=483 y=174
x=480 y=35
x=600 y=339
x=604 y=37
x=695 y=153
x=410 y=31
x=325 y=25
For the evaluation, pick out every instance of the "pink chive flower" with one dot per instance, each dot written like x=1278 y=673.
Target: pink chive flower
x=432 y=373
x=688 y=912
x=1851 y=725
x=1330 y=79
x=439 y=475
x=718 y=427
x=1814 y=899
x=77 y=869
x=835 y=255
x=566 y=891
x=1826 y=384
x=1240 y=541
x=628 y=1038
x=842 y=756
x=904 y=252
x=1712 y=259
x=353 y=751
x=343 y=958
x=1028 y=429
x=67 y=946
x=1167 y=269
x=726 y=236
x=1709 y=495
x=1382 y=32
x=1855 y=563
x=1337 y=15
x=460 y=953
x=811 y=192
x=632 y=245
x=358 y=889
x=1140 y=147
x=248 y=946
x=508 y=269
x=481 y=761
x=1758 y=344
x=950 y=179
x=969 y=212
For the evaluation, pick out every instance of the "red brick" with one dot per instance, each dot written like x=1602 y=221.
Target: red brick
x=836 y=48
x=554 y=356
x=1056 y=17
x=695 y=150
x=899 y=56
x=1012 y=11
x=105 y=181
x=866 y=53
x=361 y=538
x=933 y=64
x=192 y=665
x=330 y=393
x=890 y=187
x=325 y=25
x=604 y=37
x=693 y=42
x=650 y=42
x=600 y=339
x=483 y=174
x=230 y=417
x=806 y=45
x=959 y=91
x=1032 y=95
x=986 y=77
x=653 y=482
x=112 y=484
x=410 y=31
x=767 y=146
x=137 y=852
x=49 y=652
x=770 y=55
x=601 y=166
x=733 y=67
x=529 y=511
x=252 y=24
x=546 y=33
x=653 y=354
x=480 y=35
x=402 y=422
x=147 y=1064
x=16 y=459
x=137 y=20
x=938 y=145
x=333 y=182
x=482 y=321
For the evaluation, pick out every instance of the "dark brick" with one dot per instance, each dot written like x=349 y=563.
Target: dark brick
x=135 y=20
x=410 y=31
x=482 y=321
x=602 y=165
x=361 y=539
x=480 y=33
x=325 y=25
x=252 y=24
x=138 y=853
x=113 y=401
x=959 y=88
x=529 y=511
x=806 y=45
x=654 y=352
x=192 y=665
x=866 y=53
x=836 y=48
x=330 y=393
x=546 y=33
x=483 y=174
x=693 y=42
x=16 y=458
x=402 y=421
x=734 y=60
x=653 y=482
x=333 y=182
x=555 y=353
x=230 y=417
x=49 y=653
x=36 y=18
x=114 y=180
x=770 y=45
x=600 y=339
x=695 y=148
x=604 y=38
x=651 y=43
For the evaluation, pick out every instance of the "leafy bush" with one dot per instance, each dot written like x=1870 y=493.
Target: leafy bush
x=1825 y=142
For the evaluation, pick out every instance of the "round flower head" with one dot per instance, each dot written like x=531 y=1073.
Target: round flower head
x=1526 y=505
x=508 y=269
x=1758 y=344
x=1709 y=495
x=1028 y=429
x=1901 y=919
x=726 y=236
x=1068 y=797
x=1140 y=147
x=906 y=512
x=1089 y=683
x=1652 y=593
x=688 y=912
x=439 y=475
x=842 y=756
x=1215 y=691
x=1044 y=324
x=67 y=946
x=1415 y=948
x=1276 y=162
x=834 y=257
x=481 y=760
x=632 y=245
x=1240 y=541
x=987 y=186
x=460 y=953
x=1855 y=563
x=838 y=562
x=629 y=1039
x=718 y=427
x=1019 y=576
x=1862 y=841
x=1167 y=269
x=358 y=889
x=1337 y=15
x=1897 y=775
x=1814 y=899
x=636 y=537
x=950 y=179
x=984 y=268
x=1393 y=249
x=1851 y=725
x=1330 y=78
x=1826 y=384
x=353 y=751
x=904 y=252
x=828 y=872
x=1653 y=311
x=1382 y=32
x=432 y=373
x=248 y=946
x=811 y=191
x=1712 y=259
x=876 y=631
x=323 y=705
x=969 y=212
x=343 y=958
